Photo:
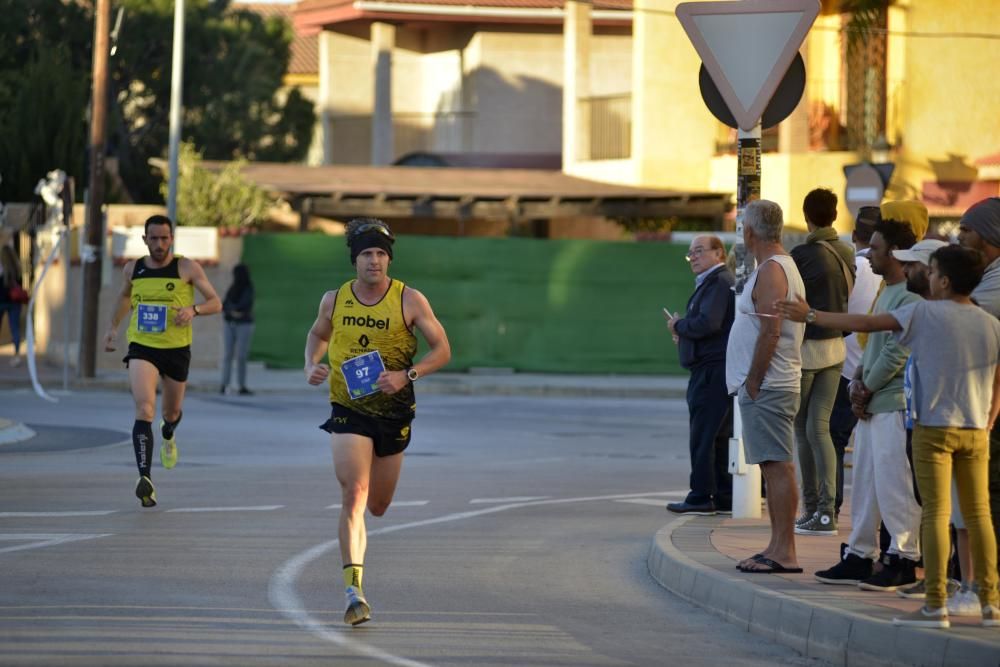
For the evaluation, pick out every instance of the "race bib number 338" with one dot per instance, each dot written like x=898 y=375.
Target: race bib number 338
x=361 y=373
x=152 y=318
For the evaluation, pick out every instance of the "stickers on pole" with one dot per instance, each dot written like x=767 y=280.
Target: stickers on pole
x=747 y=47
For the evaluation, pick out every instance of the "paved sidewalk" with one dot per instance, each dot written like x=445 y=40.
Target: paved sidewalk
x=693 y=557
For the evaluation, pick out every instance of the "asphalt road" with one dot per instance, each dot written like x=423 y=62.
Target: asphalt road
x=518 y=536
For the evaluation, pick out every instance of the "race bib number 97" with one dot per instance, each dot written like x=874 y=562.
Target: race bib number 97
x=361 y=373
x=152 y=318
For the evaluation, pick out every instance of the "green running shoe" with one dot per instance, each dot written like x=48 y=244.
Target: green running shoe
x=168 y=451
x=145 y=492
x=358 y=610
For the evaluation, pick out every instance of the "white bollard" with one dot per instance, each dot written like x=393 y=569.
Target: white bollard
x=746 y=477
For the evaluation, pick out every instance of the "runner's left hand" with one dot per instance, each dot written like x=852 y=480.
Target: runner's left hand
x=184 y=315
x=389 y=382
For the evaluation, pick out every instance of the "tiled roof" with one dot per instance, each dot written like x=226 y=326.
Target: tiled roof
x=306 y=5
x=305 y=49
x=989 y=160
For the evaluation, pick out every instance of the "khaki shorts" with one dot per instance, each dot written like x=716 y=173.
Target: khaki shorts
x=768 y=425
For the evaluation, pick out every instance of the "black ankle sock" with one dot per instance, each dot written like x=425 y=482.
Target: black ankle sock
x=168 y=427
x=142 y=443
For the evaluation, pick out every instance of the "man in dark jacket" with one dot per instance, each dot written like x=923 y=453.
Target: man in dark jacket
x=701 y=337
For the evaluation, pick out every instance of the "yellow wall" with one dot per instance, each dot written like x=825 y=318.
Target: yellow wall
x=673 y=132
x=943 y=110
x=949 y=99
x=787 y=178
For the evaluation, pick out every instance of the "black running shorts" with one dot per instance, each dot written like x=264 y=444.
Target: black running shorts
x=389 y=436
x=172 y=362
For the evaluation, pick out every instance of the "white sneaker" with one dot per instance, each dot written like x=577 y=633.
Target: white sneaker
x=991 y=616
x=964 y=603
x=358 y=610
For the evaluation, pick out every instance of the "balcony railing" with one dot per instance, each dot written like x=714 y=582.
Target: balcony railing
x=610 y=126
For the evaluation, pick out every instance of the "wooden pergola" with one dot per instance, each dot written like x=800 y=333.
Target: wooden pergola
x=462 y=194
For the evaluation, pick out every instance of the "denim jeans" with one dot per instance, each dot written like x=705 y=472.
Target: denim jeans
x=816 y=454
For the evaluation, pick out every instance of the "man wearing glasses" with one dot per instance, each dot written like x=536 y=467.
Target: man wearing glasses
x=701 y=337
x=366 y=329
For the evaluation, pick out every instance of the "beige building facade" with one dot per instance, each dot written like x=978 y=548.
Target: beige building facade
x=920 y=91
x=610 y=89
x=402 y=78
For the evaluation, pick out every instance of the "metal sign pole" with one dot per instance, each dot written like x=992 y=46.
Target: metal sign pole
x=746 y=478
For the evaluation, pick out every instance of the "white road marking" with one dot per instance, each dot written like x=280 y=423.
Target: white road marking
x=17 y=515
x=38 y=540
x=395 y=503
x=285 y=599
x=257 y=508
x=642 y=501
x=512 y=499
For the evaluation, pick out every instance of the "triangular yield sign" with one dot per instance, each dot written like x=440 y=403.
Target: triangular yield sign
x=747 y=47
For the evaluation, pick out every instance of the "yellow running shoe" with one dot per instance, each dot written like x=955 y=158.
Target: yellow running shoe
x=358 y=610
x=145 y=492
x=168 y=450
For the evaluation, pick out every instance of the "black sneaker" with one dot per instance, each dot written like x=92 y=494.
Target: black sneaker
x=145 y=492
x=699 y=509
x=805 y=517
x=896 y=572
x=245 y=392
x=850 y=571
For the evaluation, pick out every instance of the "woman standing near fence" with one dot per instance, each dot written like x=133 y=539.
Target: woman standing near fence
x=237 y=309
x=11 y=297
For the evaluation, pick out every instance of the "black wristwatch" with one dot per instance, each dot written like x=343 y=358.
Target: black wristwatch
x=412 y=374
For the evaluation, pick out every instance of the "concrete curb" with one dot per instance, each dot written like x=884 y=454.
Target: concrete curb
x=683 y=560
x=448 y=385
x=12 y=431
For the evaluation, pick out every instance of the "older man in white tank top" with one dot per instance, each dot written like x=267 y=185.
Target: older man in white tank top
x=764 y=366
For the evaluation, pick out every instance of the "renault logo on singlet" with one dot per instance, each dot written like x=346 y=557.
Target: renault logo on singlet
x=366 y=321
x=363 y=341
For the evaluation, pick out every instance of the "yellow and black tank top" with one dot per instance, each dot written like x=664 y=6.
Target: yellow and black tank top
x=154 y=292
x=359 y=329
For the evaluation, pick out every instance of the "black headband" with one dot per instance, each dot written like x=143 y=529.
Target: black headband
x=370 y=239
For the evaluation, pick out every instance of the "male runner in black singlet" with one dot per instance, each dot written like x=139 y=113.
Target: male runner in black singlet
x=158 y=289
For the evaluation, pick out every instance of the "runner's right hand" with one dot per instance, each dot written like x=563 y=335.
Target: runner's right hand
x=109 y=341
x=317 y=373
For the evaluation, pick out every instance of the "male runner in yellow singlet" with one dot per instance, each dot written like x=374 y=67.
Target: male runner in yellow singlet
x=372 y=408
x=159 y=291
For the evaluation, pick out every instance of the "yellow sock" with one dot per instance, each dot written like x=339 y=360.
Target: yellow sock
x=352 y=575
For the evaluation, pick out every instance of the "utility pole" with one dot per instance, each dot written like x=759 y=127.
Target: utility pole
x=94 y=233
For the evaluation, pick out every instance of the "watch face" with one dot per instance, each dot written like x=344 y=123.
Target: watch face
x=412 y=374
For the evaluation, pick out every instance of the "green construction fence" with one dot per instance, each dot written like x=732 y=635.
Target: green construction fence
x=531 y=305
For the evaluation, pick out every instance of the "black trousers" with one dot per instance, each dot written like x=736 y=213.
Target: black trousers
x=842 y=423
x=711 y=425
